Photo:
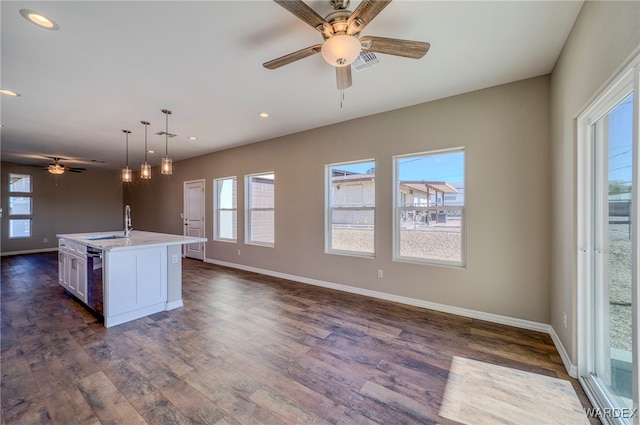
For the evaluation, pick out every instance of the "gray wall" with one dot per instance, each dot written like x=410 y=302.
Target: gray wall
x=505 y=131
x=69 y=203
x=603 y=38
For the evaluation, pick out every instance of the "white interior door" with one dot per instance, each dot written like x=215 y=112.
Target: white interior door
x=194 y=217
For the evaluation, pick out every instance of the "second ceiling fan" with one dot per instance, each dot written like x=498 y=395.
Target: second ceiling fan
x=341 y=31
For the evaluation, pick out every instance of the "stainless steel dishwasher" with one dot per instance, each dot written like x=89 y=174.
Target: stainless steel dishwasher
x=95 y=290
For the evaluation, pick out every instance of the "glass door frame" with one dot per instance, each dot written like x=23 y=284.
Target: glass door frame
x=591 y=256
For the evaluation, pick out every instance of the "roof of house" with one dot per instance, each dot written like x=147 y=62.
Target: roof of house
x=421 y=185
x=425 y=186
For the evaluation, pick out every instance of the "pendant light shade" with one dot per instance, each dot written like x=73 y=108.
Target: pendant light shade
x=126 y=171
x=145 y=169
x=167 y=166
x=167 y=163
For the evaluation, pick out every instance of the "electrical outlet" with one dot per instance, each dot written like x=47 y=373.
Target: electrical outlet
x=380 y=274
x=174 y=259
x=238 y=252
x=45 y=240
x=564 y=319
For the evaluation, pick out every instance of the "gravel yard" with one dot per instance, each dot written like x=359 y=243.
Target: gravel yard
x=438 y=242
x=620 y=286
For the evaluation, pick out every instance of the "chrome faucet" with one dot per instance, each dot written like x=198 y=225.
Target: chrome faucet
x=127 y=221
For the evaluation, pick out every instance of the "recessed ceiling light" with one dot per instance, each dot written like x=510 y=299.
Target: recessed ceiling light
x=263 y=115
x=150 y=151
x=9 y=93
x=192 y=138
x=39 y=19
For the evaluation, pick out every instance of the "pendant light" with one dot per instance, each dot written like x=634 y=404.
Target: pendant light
x=145 y=169
x=167 y=163
x=126 y=171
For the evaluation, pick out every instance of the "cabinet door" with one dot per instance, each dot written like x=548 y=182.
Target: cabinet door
x=73 y=274
x=81 y=279
x=63 y=273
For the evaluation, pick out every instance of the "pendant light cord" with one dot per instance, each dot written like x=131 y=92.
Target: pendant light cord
x=166 y=113
x=146 y=123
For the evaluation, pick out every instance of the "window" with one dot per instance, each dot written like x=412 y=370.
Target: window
x=429 y=208
x=20 y=183
x=260 y=203
x=350 y=217
x=20 y=206
x=225 y=209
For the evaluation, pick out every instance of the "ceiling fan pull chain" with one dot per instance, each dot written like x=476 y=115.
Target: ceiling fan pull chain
x=341 y=97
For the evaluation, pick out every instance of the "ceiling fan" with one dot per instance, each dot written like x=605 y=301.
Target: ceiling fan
x=341 y=32
x=57 y=168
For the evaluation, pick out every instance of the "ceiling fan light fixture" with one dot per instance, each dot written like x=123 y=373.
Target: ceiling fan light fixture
x=341 y=50
x=56 y=169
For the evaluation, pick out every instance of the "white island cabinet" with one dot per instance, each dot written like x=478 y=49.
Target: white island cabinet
x=140 y=274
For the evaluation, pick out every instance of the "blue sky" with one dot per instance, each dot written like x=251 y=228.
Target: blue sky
x=620 y=137
x=446 y=166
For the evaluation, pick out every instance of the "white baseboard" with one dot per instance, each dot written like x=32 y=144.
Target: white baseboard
x=28 y=251
x=473 y=314
x=173 y=304
x=572 y=369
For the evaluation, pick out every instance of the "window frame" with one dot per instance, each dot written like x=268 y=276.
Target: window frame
x=22 y=194
x=329 y=209
x=249 y=210
x=217 y=209
x=589 y=253
x=398 y=208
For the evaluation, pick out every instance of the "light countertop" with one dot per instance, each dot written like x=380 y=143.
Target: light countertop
x=138 y=239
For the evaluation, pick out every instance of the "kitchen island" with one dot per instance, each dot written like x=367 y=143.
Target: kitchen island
x=123 y=278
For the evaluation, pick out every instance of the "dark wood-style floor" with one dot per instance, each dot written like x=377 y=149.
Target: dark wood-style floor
x=244 y=349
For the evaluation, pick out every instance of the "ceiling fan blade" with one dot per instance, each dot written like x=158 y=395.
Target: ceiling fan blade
x=343 y=77
x=33 y=165
x=307 y=14
x=364 y=14
x=394 y=46
x=292 y=57
x=75 y=170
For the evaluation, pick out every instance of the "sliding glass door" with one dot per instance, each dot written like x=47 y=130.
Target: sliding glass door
x=608 y=250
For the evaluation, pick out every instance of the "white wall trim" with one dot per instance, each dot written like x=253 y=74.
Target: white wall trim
x=465 y=312
x=572 y=369
x=173 y=305
x=28 y=251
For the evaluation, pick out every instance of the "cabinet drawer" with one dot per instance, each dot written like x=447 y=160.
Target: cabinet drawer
x=71 y=247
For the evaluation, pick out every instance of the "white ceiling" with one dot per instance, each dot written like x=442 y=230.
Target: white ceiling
x=114 y=63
